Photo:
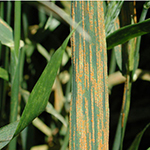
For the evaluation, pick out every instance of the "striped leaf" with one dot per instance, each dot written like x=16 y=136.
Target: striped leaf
x=89 y=112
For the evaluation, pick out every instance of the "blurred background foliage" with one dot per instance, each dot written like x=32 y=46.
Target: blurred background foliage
x=42 y=34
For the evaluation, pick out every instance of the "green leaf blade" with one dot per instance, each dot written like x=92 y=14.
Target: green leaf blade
x=128 y=32
x=49 y=108
x=6 y=36
x=4 y=74
x=7 y=133
x=137 y=140
x=89 y=111
x=40 y=94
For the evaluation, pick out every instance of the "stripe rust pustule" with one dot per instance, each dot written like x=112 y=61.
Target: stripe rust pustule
x=89 y=60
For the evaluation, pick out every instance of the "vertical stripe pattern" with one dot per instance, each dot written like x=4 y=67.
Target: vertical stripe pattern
x=89 y=110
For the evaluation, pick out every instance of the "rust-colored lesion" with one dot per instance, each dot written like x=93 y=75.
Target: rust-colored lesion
x=91 y=13
x=89 y=62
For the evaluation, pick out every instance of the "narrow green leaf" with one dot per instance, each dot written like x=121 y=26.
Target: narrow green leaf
x=148 y=148
x=117 y=139
x=125 y=108
x=7 y=133
x=15 y=63
x=6 y=35
x=113 y=10
x=4 y=74
x=137 y=140
x=40 y=94
x=17 y=27
x=49 y=108
x=128 y=32
x=66 y=141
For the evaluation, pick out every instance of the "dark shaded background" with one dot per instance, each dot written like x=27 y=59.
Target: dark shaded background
x=139 y=115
